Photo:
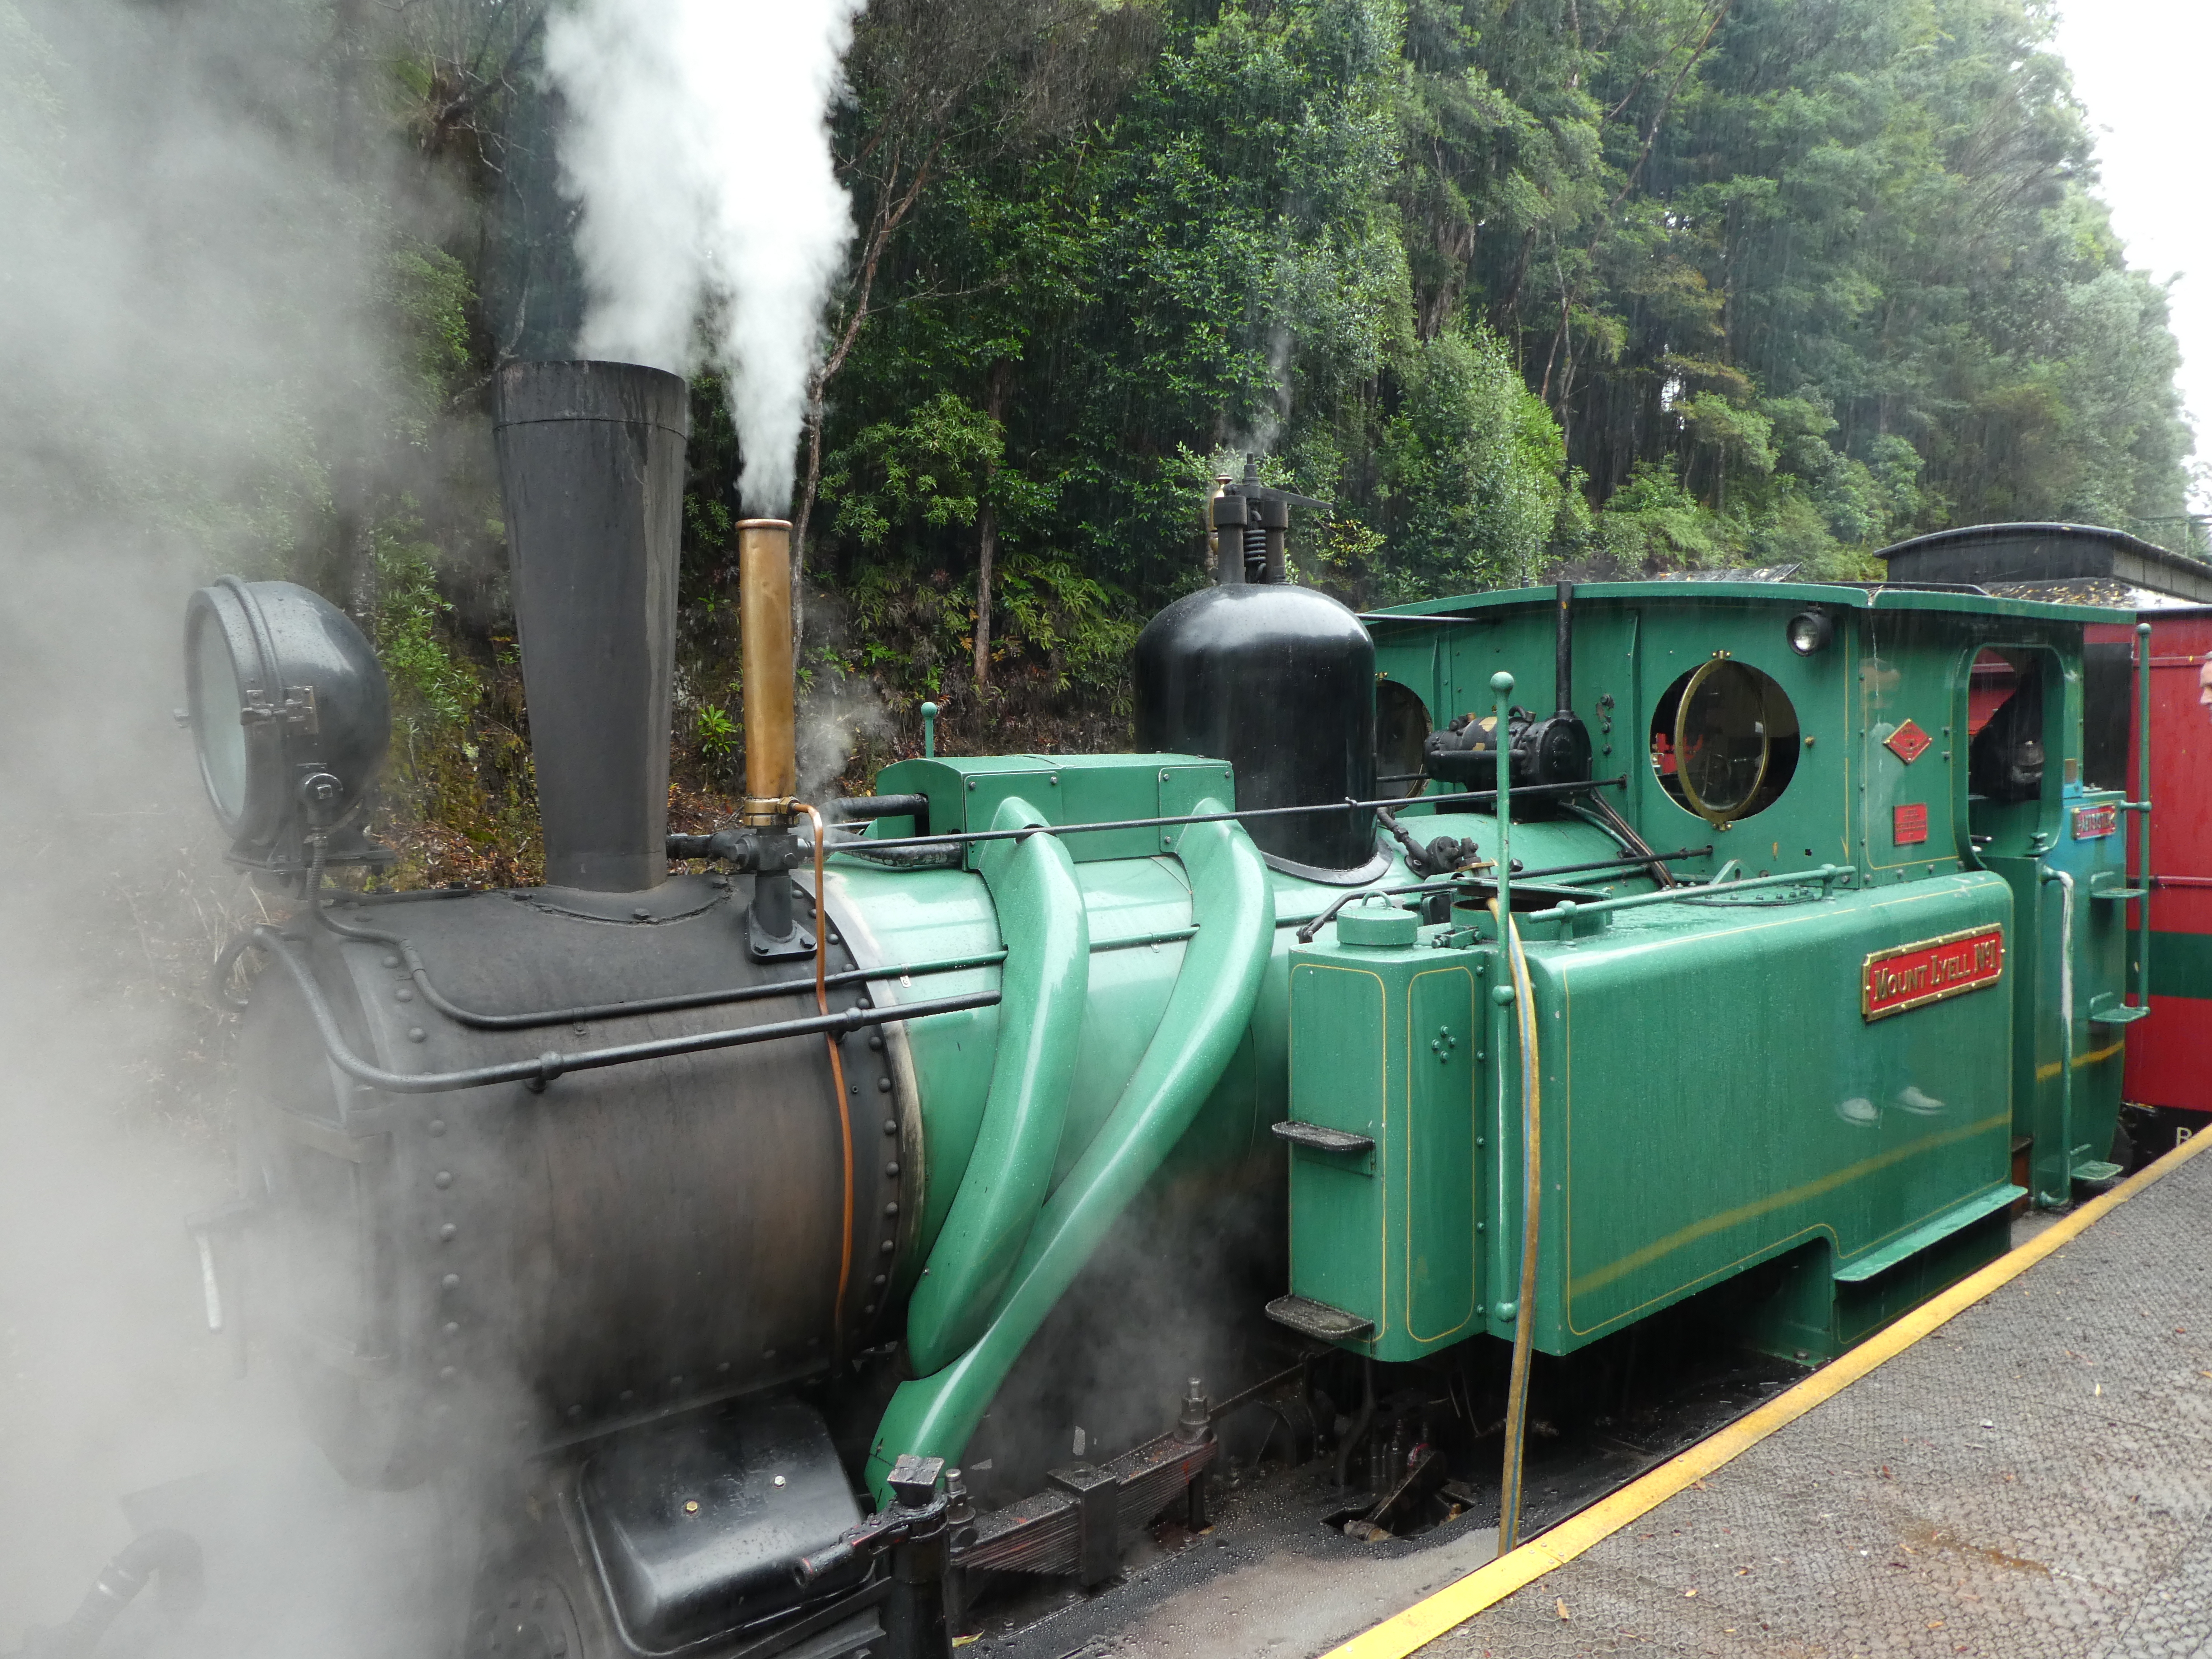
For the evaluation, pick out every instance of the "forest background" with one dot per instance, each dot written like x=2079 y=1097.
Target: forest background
x=1524 y=288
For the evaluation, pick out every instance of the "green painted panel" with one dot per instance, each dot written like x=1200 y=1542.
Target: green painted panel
x=1714 y=1095
x=965 y=793
x=2180 y=964
x=1441 y=1038
x=1340 y=1078
x=1384 y=1042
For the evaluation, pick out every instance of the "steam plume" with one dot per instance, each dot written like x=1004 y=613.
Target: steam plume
x=697 y=145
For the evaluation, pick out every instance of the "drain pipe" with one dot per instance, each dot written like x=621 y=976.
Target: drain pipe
x=2056 y=1201
x=175 y=1556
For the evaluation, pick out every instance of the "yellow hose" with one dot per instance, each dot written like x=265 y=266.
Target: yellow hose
x=1524 y=1313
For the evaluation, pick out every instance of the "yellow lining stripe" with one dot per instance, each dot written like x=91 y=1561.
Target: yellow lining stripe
x=1598 y=1278
x=1456 y=1604
x=2044 y=1073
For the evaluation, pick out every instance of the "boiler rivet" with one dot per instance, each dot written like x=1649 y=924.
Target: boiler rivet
x=675 y=1381
x=437 y=1126
x=768 y=1353
x=451 y=1329
x=883 y=1085
x=444 y=1178
x=415 y=1034
x=724 y=1367
x=452 y=1281
x=891 y=1127
x=887 y=1247
x=446 y=1373
x=891 y=1169
x=625 y=1396
x=892 y=1208
x=640 y=912
x=879 y=1279
x=574 y=1412
x=403 y=994
x=875 y=1039
x=868 y=1308
x=392 y=961
x=447 y=1232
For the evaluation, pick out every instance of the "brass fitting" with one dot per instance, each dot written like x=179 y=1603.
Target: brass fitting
x=764 y=625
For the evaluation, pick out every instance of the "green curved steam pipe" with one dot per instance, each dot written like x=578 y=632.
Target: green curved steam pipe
x=1234 y=905
x=1045 y=986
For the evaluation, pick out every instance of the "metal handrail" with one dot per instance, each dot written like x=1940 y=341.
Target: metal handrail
x=1566 y=909
x=547 y=1067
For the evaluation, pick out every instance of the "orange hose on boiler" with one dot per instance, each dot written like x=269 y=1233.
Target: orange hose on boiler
x=836 y=1065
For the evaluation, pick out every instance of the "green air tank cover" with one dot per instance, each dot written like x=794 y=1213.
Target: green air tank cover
x=1382 y=925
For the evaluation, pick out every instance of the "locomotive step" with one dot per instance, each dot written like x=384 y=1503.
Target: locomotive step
x=1319 y=1320
x=1322 y=1139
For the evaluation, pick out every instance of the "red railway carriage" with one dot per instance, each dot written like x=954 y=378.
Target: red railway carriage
x=2169 y=1056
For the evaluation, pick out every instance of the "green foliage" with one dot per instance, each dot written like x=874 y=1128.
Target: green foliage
x=431 y=687
x=1471 y=467
x=1642 y=285
x=716 y=733
x=897 y=481
x=430 y=297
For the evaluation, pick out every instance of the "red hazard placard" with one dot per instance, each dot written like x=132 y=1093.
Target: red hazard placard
x=1911 y=975
x=1909 y=743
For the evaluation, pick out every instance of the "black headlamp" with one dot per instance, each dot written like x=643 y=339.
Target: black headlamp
x=291 y=716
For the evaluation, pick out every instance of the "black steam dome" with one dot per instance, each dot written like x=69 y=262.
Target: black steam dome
x=1280 y=682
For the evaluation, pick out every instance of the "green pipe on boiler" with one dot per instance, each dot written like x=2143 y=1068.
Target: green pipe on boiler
x=1044 y=989
x=1232 y=901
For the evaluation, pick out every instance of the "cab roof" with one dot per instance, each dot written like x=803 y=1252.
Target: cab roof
x=1843 y=596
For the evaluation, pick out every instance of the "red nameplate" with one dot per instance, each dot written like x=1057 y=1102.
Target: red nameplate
x=1908 y=824
x=1913 y=974
x=2091 y=822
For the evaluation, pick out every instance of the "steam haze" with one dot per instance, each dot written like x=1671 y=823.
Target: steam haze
x=182 y=320
x=697 y=145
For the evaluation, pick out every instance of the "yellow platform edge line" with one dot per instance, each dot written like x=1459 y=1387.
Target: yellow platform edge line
x=1454 y=1605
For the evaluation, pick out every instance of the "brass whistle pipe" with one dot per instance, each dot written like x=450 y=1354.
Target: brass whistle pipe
x=764 y=623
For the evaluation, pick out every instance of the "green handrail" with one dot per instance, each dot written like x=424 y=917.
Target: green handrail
x=1043 y=990
x=2140 y=808
x=1232 y=900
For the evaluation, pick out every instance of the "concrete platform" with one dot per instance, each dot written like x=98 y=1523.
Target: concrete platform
x=2028 y=1472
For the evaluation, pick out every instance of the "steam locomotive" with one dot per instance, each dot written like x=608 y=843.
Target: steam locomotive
x=753 y=1238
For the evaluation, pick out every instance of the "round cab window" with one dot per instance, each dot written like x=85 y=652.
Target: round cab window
x=1401 y=727
x=1724 y=741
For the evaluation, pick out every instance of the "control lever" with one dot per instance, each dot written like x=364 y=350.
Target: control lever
x=915 y=1503
x=913 y=1527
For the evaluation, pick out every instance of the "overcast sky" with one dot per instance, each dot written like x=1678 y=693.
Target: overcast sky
x=2139 y=69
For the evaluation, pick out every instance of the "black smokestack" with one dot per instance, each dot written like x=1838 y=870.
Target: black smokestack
x=591 y=466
